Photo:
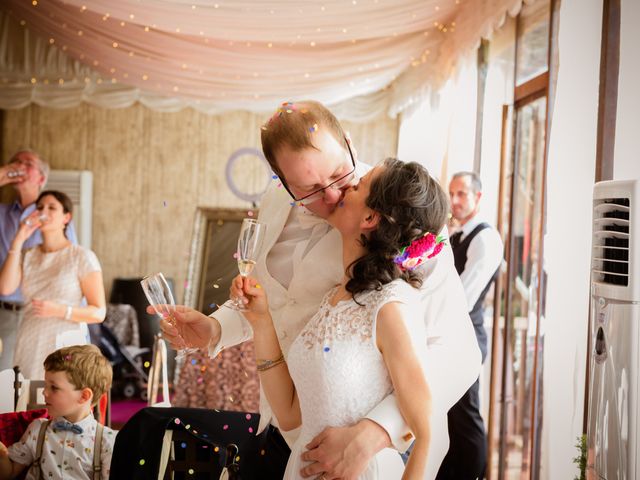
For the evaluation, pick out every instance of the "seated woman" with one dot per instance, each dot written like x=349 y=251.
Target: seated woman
x=368 y=337
x=55 y=276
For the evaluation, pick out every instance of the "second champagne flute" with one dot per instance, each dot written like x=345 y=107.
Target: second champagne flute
x=159 y=295
x=249 y=245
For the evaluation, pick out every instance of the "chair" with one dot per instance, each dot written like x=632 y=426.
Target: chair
x=28 y=393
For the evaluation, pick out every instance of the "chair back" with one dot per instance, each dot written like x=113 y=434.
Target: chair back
x=7 y=397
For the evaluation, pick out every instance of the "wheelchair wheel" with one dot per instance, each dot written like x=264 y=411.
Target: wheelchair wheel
x=129 y=390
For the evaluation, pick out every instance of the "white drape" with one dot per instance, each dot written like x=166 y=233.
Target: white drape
x=364 y=58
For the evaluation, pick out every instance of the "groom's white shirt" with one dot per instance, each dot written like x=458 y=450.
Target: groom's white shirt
x=303 y=249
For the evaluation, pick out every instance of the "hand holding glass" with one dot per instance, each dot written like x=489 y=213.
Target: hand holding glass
x=159 y=295
x=249 y=244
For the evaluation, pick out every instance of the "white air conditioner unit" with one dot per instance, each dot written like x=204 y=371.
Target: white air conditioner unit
x=614 y=403
x=78 y=185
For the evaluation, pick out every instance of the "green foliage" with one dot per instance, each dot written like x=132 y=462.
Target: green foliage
x=581 y=460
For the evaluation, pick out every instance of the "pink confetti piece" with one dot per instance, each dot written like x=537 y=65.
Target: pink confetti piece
x=250 y=430
x=248 y=416
x=235 y=255
x=225 y=427
x=250 y=213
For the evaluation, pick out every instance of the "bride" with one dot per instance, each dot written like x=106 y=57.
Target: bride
x=368 y=337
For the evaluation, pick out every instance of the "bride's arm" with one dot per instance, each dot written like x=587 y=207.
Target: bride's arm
x=274 y=375
x=412 y=391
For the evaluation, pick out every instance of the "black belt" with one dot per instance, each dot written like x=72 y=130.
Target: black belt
x=13 y=307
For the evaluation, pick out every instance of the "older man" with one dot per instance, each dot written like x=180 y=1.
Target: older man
x=27 y=172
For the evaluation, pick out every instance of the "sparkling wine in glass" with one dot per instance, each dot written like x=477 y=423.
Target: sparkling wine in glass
x=159 y=295
x=249 y=244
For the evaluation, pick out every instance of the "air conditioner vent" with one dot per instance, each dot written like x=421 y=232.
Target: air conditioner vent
x=611 y=241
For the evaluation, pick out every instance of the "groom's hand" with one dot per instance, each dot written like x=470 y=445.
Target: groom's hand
x=344 y=452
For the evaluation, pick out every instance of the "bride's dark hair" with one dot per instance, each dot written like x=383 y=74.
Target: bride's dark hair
x=410 y=203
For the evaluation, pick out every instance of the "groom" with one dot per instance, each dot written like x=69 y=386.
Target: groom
x=301 y=260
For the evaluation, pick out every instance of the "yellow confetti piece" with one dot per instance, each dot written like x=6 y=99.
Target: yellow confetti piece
x=258 y=285
x=141 y=462
x=147 y=364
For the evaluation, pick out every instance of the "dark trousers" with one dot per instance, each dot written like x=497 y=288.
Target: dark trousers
x=467 y=455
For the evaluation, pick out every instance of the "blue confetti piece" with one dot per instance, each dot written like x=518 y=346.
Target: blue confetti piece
x=194 y=361
x=275 y=177
x=212 y=305
x=183 y=445
x=326 y=349
x=293 y=204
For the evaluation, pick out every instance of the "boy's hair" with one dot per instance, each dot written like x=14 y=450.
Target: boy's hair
x=85 y=367
x=293 y=125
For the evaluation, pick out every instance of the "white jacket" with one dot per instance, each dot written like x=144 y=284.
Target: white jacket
x=453 y=362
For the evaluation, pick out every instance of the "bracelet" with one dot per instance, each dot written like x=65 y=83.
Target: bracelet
x=265 y=365
x=68 y=312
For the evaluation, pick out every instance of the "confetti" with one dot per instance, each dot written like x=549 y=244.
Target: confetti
x=212 y=305
x=183 y=444
x=279 y=185
x=200 y=380
x=225 y=427
x=147 y=364
x=191 y=471
x=186 y=284
x=314 y=128
x=248 y=416
x=193 y=361
x=250 y=213
x=293 y=204
x=230 y=398
x=258 y=286
x=235 y=255
x=326 y=349
x=215 y=285
x=275 y=177
x=141 y=462
x=177 y=421
x=250 y=430
x=203 y=368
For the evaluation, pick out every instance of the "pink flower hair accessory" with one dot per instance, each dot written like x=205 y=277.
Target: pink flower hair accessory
x=418 y=251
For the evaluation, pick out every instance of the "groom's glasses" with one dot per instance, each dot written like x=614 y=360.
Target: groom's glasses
x=338 y=184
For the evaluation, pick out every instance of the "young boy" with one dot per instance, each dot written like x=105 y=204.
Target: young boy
x=63 y=446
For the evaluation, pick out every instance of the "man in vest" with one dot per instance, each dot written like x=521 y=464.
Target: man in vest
x=477 y=250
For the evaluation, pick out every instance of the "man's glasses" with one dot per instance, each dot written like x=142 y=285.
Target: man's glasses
x=338 y=184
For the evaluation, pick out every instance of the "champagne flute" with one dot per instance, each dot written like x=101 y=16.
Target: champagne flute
x=159 y=295
x=249 y=244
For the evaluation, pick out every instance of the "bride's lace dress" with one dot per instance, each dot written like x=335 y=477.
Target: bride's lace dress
x=340 y=374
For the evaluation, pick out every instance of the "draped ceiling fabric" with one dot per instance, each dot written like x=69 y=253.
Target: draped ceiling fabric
x=365 y=58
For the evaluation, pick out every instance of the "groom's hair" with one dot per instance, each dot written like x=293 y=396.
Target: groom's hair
x=410 y=203
x=294 y=125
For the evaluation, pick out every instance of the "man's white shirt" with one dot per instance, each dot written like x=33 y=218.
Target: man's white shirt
x=484 y=256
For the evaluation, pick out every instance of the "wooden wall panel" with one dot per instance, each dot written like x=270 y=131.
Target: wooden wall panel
x=153 y=170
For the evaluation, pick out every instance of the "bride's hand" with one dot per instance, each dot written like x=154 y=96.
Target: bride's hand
x=249 y=291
